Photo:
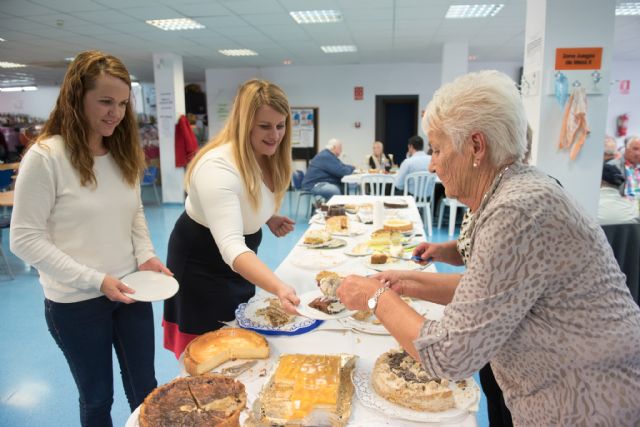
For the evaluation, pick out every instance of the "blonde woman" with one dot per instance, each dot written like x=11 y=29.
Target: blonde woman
x=235 y=184
x=378 y=159
x=78 y=220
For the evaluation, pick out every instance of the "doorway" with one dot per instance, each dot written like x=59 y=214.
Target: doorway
x=396 y=122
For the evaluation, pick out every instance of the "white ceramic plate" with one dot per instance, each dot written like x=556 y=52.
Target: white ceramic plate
x=466 y=400
x=397 y=264
x=360 y=249
x=253 y=373
x=368 y=326
x=150 y=285
x=317 y=259
x=132 y=421
x=312 y=313
x=355 y=229
x=317 y=218
x=247 y=318
x=331 y=244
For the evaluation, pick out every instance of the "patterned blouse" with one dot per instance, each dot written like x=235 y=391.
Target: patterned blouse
x=543 y=298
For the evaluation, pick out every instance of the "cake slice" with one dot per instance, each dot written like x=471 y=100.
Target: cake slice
x=398 y=224
x=316 y=237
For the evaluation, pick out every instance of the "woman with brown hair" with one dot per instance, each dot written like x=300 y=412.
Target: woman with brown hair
x=235 y=185
x=78 y=219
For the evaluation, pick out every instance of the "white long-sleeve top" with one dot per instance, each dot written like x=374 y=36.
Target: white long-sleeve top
x=217 y=200
x=74 y=235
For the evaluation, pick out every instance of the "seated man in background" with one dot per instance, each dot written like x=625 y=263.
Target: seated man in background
x=612 y=207
x=417 y=161
x=325 y=172
x=611 y=149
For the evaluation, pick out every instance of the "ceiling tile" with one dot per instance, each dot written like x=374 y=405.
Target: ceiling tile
x=71 y=5
x=23 y=8
x=105 y=17
x=156 y=12
x=254 y=6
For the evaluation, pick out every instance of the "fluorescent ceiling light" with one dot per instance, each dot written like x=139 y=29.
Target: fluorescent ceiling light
x=11 y=65
x=316 y=16
x=175 y=24
x=2 y=40
x=339 y=48
x=135 y=84
x=458 y=11
x=237 y=52
x=18 y=89
x=70 y=58
x=628 y=9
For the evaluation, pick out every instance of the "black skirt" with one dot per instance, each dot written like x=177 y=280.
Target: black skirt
x=210 y=290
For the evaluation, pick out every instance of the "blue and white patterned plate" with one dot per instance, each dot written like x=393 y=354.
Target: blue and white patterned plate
x=248 y=319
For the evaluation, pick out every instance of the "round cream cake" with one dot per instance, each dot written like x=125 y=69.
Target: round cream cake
x=398 y=378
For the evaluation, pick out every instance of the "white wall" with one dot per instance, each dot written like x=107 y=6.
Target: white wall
x=37 y=103
x=620 y=104
x=330 y=88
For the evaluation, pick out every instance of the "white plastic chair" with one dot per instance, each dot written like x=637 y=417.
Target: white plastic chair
x=423 y=184
x=453 y=206
x=377 y=183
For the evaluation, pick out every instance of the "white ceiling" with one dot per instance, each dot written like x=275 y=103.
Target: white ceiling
x=42 y=33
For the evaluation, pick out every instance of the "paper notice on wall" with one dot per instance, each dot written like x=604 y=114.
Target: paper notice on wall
x=222 y=111
x=306 y=137
x=533 y=53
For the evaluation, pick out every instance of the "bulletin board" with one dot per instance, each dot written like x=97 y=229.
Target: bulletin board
x=304 y=132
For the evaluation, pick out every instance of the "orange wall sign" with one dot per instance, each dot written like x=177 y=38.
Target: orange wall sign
x=579 y=58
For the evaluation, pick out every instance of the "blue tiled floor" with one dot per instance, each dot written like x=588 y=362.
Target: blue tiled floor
x=36 y=388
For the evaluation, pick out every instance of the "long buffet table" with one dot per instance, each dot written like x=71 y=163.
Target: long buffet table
x=332 y=336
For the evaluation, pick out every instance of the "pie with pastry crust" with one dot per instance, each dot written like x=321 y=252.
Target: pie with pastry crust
x=206 y=400
x=214 y=348
x=400 y=379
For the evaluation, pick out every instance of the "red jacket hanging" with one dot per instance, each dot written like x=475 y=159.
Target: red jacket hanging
x=186 y=142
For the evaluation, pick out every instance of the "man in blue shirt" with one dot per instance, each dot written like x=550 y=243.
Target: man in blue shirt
x=323 y=177
x=417 y=161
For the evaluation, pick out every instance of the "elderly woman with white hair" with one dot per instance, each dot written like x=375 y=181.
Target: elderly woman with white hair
x=378 y=159
x=325 y=171
x=542 y=298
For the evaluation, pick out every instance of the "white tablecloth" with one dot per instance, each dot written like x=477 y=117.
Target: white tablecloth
x=367 y=347
x=331 y=337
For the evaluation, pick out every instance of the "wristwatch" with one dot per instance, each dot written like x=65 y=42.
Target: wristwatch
x=372 y=303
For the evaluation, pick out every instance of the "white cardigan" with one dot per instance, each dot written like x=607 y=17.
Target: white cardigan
x=74 y=235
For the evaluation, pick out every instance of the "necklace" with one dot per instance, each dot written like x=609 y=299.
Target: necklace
x=493 y=188
x=471 y=225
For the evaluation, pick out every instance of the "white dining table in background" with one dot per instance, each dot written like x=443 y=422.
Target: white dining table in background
x=355 y=178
